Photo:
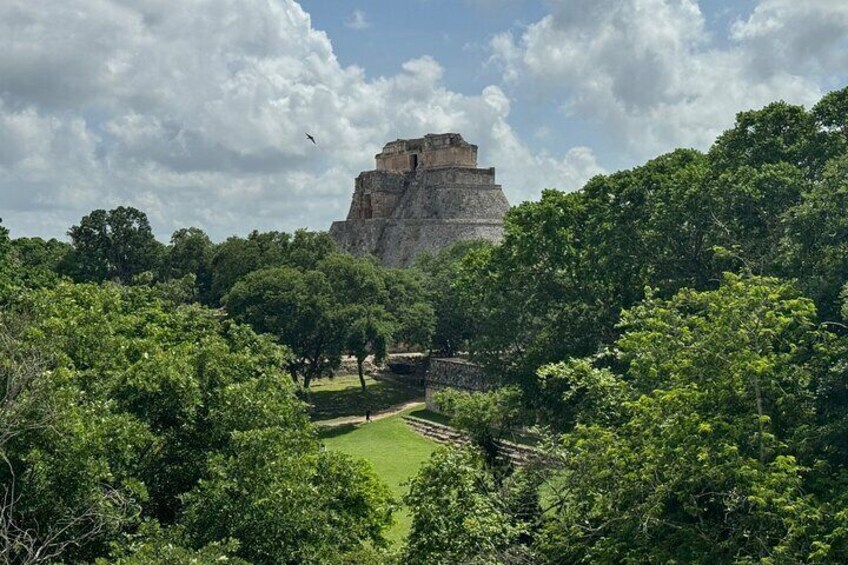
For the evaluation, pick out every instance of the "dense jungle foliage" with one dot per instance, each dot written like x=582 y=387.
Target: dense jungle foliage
x=675 y=333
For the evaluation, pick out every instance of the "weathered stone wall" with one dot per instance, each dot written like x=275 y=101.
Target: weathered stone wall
x=413 y=237
x=397 y=215
x=398 y=242
x=457 y=374
x=441 y=202
x=450 y=156
x=362 y=237
x=376 y=195
x=432 y=150
x=454 y=175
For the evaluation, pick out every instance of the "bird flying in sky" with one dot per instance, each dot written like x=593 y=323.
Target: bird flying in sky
x=310 y=138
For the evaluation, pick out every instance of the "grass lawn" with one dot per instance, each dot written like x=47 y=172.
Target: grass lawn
x=342 y=396
x=395 y=451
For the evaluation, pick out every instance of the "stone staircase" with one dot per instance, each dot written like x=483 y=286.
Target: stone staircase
x=516 y=453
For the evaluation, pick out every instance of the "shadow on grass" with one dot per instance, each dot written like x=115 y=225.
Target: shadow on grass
x=378 y=396
x=425 y=414
x=326 y=433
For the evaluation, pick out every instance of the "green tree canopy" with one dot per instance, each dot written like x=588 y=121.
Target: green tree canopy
x=455 y=321
x=236 y=257
x=571 y=262
x=190 y=253
x=114 y=245
x=712 y=460
x=5 y=271
x=410 y=305
x=487 y=417
x=299 y=309
x=36 y=262
x=815 y=246
x=461 y=514
x=129 y=411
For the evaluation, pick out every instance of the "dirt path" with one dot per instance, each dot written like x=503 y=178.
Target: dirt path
x=375 y=416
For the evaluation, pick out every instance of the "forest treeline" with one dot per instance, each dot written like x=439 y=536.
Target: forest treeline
x=675 y=333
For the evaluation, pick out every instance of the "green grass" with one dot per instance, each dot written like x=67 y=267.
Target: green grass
x=395 y=451
x=339 y=382
x=342 y=396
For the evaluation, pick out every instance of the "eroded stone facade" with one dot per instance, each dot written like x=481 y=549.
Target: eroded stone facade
x=455 y=373
x=424 y=194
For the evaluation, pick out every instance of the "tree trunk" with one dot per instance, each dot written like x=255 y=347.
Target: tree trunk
x=307 y=378
x=293 y=373
x=359 y=363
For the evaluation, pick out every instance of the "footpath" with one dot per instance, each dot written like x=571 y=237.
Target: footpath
x=392 y=411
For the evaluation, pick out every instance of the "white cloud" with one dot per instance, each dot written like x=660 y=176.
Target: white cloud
x=357 y=21
x=197 y=116
x=809 y=38
x=652 y=75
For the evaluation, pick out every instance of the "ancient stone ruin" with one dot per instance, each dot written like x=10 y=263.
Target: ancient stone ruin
x=424 y=195
x=455 y=373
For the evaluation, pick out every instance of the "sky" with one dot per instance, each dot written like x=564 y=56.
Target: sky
x=195 y=111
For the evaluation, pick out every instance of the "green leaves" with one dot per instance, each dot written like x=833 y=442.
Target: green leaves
x=459 y=513
x=135 y=410
x=286 y=502
x=816 y=243
x=486 y=416
x=344 y=305
x=114 y=245
x=704 y=462
x=236 y=257
x=575 y=392
x=299 y=309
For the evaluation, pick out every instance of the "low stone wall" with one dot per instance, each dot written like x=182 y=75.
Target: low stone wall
x=455 y=373
x=348 y=367
x=518 y=454
x=408 y=369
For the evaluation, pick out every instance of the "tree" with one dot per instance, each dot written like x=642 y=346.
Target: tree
x=189 y=258
x=29 y=406
x=815 y=244
x=749 y=211
x=345 y=305
x=359 y=290
x=284 y=508
x=459 y=514
x=571 y=262
x=5 y=271
x=830 y=115
x=163 y=416
x=35 y=262
x=409 y=305
x=233 y=259
x=165 y=548
x=237 y=257
x=114 y=245
x=487 y=417
x=777 y=133
x=577 y=392
x=58 y=500
x=711 y=460
x=369 y=331
x=454 y=322
x=299 y=309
